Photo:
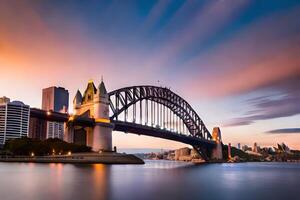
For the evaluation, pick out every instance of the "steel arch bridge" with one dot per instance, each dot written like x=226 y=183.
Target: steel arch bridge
x=159 y=112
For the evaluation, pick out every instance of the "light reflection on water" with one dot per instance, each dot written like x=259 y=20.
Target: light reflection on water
x=154 y=180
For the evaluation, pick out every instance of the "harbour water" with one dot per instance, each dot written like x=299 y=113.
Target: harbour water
x=154 y=180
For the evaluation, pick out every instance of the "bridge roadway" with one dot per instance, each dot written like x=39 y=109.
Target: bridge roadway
x=126 y=127
x=49 y=116
x=139 y=129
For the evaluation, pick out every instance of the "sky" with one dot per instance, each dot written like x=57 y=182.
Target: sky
x=237 y=62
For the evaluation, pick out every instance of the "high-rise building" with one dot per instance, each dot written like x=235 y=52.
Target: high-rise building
x=55 y=99
x=239 y=145
x=14 y=120
x=55 y=130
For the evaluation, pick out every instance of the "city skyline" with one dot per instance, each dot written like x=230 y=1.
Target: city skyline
x=241 y=73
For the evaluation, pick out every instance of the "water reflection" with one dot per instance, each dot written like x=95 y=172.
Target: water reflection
x=154 y=180
x=100 y=183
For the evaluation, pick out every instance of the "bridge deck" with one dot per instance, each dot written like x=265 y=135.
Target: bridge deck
x=49 y=116
x=160 y=133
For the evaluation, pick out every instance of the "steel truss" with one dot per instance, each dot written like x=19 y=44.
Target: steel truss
x=160 y=108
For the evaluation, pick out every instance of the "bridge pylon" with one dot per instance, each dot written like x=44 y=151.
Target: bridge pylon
x=217 y=152
x=102 y=132
x=91 y=124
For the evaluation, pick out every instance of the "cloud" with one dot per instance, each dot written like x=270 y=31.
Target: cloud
x=284 y=131
x=262 y=59
x=208 y=19
x=237 y=122
x=284 y=104
x=155 y=14
x=263 y=53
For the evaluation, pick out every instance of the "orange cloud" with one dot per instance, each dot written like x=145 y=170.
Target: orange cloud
x=234 y=81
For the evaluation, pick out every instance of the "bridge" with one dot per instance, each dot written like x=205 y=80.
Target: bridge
x=142 y=110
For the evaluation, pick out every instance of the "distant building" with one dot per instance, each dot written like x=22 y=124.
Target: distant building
x=37 y=128
x=255 y=148
x=171 y=155
x=183 y=154
x=282 y=148
x=266 y=150
x=14 y=120
x=239 y=145
x=229 y=151
x=195 y=154
x=4 y=100
x=246 y=148
x=55 y=99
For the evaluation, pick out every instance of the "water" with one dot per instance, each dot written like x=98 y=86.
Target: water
x=154 y=180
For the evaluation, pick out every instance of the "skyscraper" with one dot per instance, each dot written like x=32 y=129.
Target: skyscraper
x=14 y=120
x=55 y=99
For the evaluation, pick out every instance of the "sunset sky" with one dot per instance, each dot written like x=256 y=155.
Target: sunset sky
x=237 y=62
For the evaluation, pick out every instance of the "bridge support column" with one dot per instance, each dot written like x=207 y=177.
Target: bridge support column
x=217 y=152
x=102 y=132
x=102 y=137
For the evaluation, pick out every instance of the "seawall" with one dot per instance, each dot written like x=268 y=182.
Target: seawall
x=80 y=158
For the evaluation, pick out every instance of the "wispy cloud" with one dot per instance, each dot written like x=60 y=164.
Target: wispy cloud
x=238 y=122
x=155 y=15
x=210 y=18
x=265 y=52
x=262 y=58
x=285 y=104
x=284 y=131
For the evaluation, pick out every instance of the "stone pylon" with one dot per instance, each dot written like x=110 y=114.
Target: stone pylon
x=217 y=152
x=93 y=104
x=102 y=132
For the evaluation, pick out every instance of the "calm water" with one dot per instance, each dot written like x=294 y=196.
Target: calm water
x=154 y=180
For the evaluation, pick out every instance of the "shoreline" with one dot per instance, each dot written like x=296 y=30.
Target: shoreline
x=80 y=158
x=225 y=161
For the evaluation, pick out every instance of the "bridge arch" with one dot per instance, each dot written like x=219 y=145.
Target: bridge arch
x=157 y=100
